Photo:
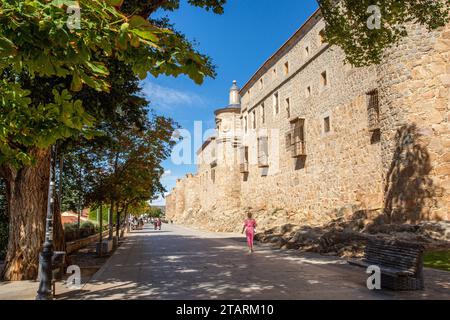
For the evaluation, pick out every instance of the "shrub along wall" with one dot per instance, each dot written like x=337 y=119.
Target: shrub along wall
x=87 y=229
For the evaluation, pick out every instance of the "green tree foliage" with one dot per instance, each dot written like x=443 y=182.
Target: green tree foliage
x=129 y=160
x=155 y=212
x=138 y=208
x=347 y=24
x=104 y=213
x=37 y=44
x=48 y=72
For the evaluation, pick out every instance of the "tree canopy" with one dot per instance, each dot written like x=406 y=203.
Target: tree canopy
x=61 y=83
x=347 y=24
x=37 y=43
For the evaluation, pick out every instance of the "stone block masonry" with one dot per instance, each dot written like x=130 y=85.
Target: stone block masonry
x=310 y=138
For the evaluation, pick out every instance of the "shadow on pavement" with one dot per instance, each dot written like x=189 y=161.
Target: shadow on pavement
x=165 y=265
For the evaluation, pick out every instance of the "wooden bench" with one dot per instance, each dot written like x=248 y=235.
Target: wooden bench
x=401 y=263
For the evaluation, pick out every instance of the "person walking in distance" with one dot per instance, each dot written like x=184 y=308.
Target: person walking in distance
x=158 y=223
x=250 y=228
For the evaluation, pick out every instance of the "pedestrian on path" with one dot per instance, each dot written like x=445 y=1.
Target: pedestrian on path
x=159 y=222
x=250 y=228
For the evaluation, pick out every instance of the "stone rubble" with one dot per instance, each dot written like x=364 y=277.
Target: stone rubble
x=342 y=235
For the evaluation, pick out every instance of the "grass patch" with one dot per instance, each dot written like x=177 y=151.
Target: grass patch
x=437 y=259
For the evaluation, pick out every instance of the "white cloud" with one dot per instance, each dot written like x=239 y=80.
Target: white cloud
x=167 y=173
x=161 y=201
x=168 y=98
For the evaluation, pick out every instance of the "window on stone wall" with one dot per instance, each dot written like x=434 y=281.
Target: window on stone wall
x=373 y=110
x=288 y=108
x=263 y=114
x=243 y=163
x=296 y=138
x=326 y=124
x=308 y=91
x=245 y=124
x=324 y=79
x=286 y=68
x=276 y=103
x=261 y=83
x=213 y=175
x=322 y=36
x=254 y=119
x=307 y=52
x=274 y=72
x=288 y=140
x=263 y=152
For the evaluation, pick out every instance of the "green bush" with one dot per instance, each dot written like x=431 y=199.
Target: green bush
x=70 y=232
x=87 y=229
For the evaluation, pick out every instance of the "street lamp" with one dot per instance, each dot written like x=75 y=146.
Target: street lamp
x=45 y=258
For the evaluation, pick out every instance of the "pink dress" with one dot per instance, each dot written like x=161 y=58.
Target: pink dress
x=250 y=225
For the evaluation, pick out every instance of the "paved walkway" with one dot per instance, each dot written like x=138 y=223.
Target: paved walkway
x=181 y=263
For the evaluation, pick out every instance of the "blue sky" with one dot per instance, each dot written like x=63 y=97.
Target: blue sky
x=239 y=41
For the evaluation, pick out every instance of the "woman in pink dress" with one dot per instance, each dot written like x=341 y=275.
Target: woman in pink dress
x=158 y=223
x=249 y=228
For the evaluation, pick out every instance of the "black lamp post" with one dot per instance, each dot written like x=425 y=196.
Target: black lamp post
x=100 y=249
x=45 y=258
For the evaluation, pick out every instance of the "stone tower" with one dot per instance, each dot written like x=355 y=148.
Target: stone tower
x=227 y=148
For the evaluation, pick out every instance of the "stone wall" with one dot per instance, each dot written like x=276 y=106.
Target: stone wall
x=342 y=168
x=415 y=86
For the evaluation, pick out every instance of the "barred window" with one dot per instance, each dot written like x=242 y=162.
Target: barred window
x=373 y=110
x=297 y=138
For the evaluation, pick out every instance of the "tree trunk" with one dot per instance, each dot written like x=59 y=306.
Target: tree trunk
x=78 y=222
x=127 y=219
x=110 y=221
x=117 y=221
x=27 y=191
